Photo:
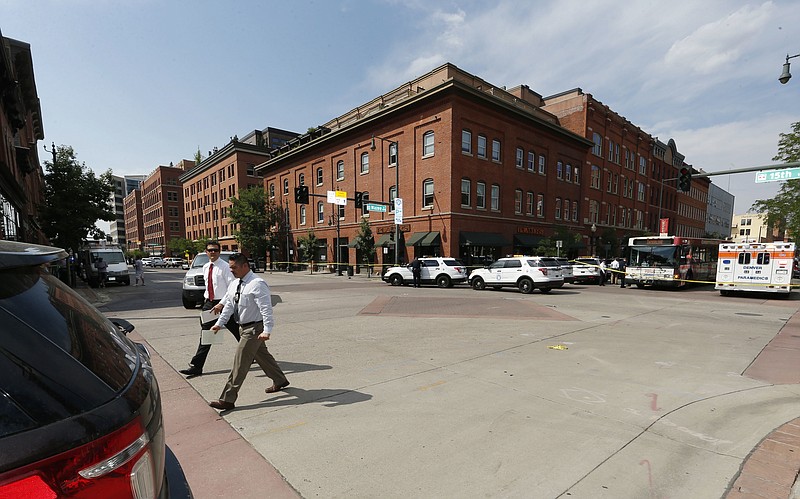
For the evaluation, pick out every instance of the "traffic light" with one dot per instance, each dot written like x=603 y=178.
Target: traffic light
x=301 y=194
x=359 y=199
x=364 y=202
x=685 y=179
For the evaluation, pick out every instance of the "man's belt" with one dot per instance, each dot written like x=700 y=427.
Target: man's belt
x=250 y=324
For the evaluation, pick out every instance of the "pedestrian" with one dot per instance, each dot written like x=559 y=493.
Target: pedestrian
x=614 y=270
x=102 y=270
x=623 y=265
x=416 y=271
x=218 y=277
x=138 y=269
x=602 y=272
x=249 y=299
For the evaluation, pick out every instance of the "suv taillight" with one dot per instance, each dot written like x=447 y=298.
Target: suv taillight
x=120 y=464
x=543 y=270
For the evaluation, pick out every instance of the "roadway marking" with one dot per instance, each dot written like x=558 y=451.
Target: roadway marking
x=289 y=427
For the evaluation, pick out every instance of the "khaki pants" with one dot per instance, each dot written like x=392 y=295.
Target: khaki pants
x=249 y=348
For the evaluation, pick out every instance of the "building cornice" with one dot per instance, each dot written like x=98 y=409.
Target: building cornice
x=229 y=149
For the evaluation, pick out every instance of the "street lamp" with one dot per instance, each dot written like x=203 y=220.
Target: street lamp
x=786 y=75
x=396 y=191
x=594 y=239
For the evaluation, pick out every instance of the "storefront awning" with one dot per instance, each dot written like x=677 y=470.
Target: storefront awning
x=526 y=240
x=384 y=240
x=482 y=239
x=424 y=239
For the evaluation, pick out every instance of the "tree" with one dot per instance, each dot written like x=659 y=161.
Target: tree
x=181 y=246
x=783 y=210
x=307 y=245
x=365 y=241
x=198 y=156
x=256 y=217
x=75 y=199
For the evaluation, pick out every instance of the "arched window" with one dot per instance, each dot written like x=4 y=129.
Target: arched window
x=272 y=190
x=320 y=212
x=286 y=187
x=302 y=214
x=364 y=162
x=340 y=170
x=427 y=193
x=427 y=144
x=319 y=176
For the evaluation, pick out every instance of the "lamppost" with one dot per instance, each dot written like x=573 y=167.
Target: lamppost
x=396 y=191
x=338 y=246
x=786 y=75
x=594 y=239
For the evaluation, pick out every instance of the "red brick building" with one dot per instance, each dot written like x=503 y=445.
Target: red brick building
x=134 y=224
x=483 y=171
x=208 y=186
x=21 y=176
x=162 y=207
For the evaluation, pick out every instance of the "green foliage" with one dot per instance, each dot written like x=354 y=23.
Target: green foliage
x=75 y=199
x=307 y=245
x=180 y=246
x=257 y=218
x=198 y=156
x=783 y=210
x=365 y=241
x=570 y=243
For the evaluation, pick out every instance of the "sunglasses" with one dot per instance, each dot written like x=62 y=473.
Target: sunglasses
x=214 y=250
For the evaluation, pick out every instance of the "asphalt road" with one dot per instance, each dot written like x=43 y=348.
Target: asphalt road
x=584 y=392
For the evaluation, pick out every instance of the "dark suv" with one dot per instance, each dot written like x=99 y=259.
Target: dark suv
x=80 y=410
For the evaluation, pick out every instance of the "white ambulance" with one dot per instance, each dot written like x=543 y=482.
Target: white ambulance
x=758 y=267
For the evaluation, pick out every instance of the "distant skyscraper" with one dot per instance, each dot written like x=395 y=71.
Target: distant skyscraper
x=122 y=187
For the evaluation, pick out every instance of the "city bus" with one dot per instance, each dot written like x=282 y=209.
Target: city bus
x=671 y=261
x=756 y=267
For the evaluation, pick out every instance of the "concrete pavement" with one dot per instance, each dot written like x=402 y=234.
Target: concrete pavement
x=399 y=392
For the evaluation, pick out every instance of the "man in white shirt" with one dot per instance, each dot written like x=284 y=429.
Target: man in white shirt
x=248 y=298
x=218 y=277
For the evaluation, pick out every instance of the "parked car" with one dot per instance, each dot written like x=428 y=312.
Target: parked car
x=587 y=269
x=186 y=265
x=173 y=262
x=525 y=273
x=566 y=269
x=194 y=282
x=157 y=261
x=147 y=261
x=80 y=405
x=444 y=272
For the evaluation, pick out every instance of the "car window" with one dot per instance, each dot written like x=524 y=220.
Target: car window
x=430 y=263
x=109 y=256
x=499 y=264
x=549 y=262
x=512 y=264
x=50 y=334
x=451 y=262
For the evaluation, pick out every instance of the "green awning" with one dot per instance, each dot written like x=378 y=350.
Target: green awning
x=482 y=239
x=424 y=239
x=384 y=240
x=526 y=240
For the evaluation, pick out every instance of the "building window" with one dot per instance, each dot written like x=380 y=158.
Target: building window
x=531 y=161
x=518 y=201
x=319 y=176
x=364 y=210
x=558 y=208
x=340 y=170
x=427 y=144
x=642 y=165
x=466 y=141
x=529 y=203
x=566 y=209
x=393 y=154
x=595 y=176
x=495 y=197
x=574 y=211
x=520 y=158
x=482 y=146
x=559 y=170
x=320 y=212
x=593 y=211
x=577 y=177
x=496 y=150
x=427 y=193
x=301 y=179
x=392 y=196
x=597 y=149
x=251 y=170
x=542 y=165
x=466 y=187
x=568 y=173
x=480 y=195
x=302 y=214
x=640 y=196
x=340 y=211
x=286 y=187
x=540 y=205
x=364 y=162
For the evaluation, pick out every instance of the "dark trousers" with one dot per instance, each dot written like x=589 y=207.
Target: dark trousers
x=199 y=359
x=417 y=274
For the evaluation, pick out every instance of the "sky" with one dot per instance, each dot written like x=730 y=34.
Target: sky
x=137 y=84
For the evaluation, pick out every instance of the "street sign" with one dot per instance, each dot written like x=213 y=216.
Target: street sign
x=376 y=207
x=777 y=175
x=337 y=197
x=398 y=210
x=559 y=244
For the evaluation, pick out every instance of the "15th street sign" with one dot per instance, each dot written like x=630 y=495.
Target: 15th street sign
x=376 y=207
x=777 y=175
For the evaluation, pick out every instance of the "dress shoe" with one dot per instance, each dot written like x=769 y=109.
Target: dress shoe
x=222 y=405
x=277 y=388
x=191 y=371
